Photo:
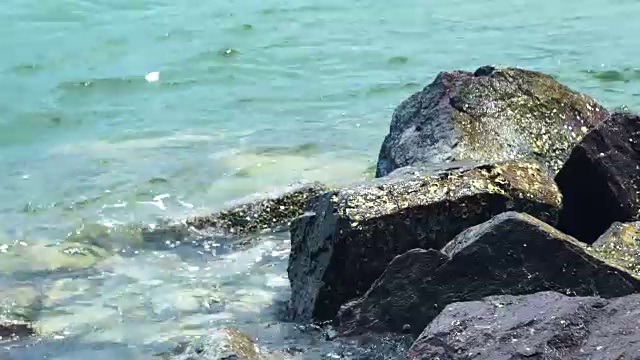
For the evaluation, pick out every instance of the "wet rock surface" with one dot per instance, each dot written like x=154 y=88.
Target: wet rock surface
x=246 y=216
x=226 y=344
x=545 y=325
x=600 y=181
x=490 y=115
x=14 y=330
x=339 y=250
x=512 y=253
x=621 y=245
x=19 y=307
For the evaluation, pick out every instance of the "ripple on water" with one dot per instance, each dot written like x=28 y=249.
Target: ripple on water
x=608 y=76
x=27 y=69
x=397 y=60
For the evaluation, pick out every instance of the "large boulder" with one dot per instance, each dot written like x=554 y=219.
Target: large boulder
x=342 y=247
x=601 y=179
x=621 y=245
x=489 y=115
x=512 y=253
x=545 y=325
x=247 y=216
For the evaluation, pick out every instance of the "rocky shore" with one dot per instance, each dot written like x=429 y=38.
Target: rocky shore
x=501 y=225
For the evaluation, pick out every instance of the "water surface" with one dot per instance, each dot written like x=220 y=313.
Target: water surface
x=252 y=96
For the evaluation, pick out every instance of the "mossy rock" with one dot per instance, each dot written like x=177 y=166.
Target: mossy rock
x=620 y=245
x=260 y=214
x=227 y=343
x=494 y=114
x=339 y=250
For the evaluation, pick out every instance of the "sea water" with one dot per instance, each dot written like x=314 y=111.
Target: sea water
x=115 y=113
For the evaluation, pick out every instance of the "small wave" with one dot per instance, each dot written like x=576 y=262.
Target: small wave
x=102 y=147
x=607 y=76
x=111 y=84
x=27 y=69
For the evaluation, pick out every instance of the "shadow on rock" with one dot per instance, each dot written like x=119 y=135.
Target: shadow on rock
x=600 y=181
x=512 y=254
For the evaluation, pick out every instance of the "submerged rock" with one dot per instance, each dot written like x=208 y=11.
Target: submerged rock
x=14 y=330
x=19 y=307
x=490 y=115
x=601 y=179
x=513 y=253
x=339 y=250
x=34 y=257
x=545 y=325
x=621 y=245
x=225 y=344
x=20 y=302
x=248 y=216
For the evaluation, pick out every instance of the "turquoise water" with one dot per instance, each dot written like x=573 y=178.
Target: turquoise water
x=251 y=96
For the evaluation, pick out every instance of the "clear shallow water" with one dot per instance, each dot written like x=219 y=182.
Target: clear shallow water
x=251 y=96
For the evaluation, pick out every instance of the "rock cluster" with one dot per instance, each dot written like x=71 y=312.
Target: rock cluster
x=338 y=251
x=493 y=196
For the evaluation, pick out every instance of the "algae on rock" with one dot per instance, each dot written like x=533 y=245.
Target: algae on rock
x=620 y=245
x=494 y=114
x=340 y=249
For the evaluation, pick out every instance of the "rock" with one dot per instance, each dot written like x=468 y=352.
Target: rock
x=19 y=307
x=489 y=116
x=224 y=344
x=339 y=250
x=600 y=181
x=621 y=245
x=33 y=257
x=513 y=254
x=247 y=216
x=20 y=303
x=14 y=329
x=545 y=325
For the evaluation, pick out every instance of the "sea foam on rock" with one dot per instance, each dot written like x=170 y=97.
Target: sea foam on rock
x=494 y=114
x=601 y=179
x=544 y=325
x=513 y=253
x=344 y=245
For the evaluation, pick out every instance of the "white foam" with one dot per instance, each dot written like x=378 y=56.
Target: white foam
x=152 y=76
